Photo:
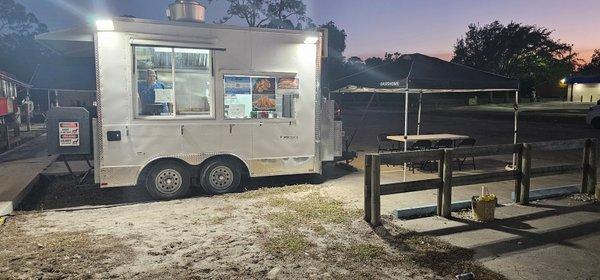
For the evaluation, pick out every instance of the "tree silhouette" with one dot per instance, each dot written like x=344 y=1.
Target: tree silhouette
x=592 y=67
x=19 y=53
x=334 y=63
x=279 y=14
x=526 y=52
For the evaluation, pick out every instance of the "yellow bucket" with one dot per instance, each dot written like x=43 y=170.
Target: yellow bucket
x=484 y=207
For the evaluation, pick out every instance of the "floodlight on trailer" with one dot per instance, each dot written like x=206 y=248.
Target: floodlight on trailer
x=311 y=40
x=105 y=25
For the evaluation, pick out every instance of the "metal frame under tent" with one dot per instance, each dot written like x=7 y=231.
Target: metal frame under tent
x=421 y=74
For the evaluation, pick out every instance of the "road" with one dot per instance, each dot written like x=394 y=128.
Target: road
x=489 y=127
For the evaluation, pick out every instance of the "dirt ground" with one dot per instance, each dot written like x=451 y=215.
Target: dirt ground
x=291 y=232
x=276 y=233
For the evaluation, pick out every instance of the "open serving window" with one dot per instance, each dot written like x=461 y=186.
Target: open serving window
x=173 y=82
x=260 y=97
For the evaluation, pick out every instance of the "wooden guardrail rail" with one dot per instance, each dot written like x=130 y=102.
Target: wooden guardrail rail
x=522 y=173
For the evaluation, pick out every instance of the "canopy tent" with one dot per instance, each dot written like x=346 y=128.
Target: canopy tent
x=418 y=73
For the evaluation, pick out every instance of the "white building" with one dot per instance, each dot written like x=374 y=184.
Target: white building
x=583 y=89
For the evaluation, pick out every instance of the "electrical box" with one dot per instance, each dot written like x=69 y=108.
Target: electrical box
x=69 y=131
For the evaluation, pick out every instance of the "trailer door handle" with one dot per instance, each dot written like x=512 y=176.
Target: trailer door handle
x=182 y=129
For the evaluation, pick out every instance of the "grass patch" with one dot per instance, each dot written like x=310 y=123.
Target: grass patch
x=310 y=212
x=277 y=201
x=318 y=229
x=275 y=191
x=288 y=243
x=220 y=219
x=59 y=255
x=311 y=208
x=366 y=252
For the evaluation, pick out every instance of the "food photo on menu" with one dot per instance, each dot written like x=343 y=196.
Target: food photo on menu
x=263 y=94
x=288 y=84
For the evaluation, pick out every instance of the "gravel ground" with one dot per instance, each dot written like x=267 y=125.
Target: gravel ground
x=276 y=233
x=299 y=231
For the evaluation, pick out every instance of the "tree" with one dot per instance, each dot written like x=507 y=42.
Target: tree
x=387 y=58
x=526 y=52
x=336 y=40
x=279 y=14
x=334 y=65
x=355 y=60
x=592 y=67
x=19 y=53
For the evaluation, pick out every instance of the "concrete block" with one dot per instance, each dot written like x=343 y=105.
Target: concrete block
x=428 y=210
x=550 y=192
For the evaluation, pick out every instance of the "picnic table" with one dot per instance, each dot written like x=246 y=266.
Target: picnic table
x=431 y=137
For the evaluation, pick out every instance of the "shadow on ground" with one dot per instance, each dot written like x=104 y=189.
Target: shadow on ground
x=525 y=238
x=57 y=192
x=432 y=253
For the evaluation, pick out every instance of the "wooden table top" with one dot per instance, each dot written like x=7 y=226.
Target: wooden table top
x=432 y=137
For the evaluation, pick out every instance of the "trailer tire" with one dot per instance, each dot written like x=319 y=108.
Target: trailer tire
x=220 y=176
x=168 y=180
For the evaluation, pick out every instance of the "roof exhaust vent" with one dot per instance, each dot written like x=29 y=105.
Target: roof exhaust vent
x=186 y=10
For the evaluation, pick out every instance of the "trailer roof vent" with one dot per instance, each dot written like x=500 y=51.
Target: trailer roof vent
x=186 y=10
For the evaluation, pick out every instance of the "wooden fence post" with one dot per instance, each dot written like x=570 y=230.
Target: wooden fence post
x=585 y=166
x=447 y=184
x=440 y=194
x=375 y=191
x=367 y=204
x=592 y=166
x=525 y=174
x=518 y=171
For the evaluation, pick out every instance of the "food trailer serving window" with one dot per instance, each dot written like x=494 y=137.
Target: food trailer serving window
x=259 y=97
x=173 y=81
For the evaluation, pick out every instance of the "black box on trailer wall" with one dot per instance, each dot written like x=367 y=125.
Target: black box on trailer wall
x=69 y=131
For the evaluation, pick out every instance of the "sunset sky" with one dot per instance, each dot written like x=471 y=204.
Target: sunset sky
x=374 y=27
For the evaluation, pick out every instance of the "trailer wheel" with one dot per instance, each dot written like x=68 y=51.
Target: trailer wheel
x=168 y=180
x=220 y=176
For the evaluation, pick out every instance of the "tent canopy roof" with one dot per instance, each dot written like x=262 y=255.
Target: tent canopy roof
x=66 y=73
x=423 y=74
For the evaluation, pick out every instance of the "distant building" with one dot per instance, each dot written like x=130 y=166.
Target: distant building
x=583 y=89
x=12 y=91
x=10 y=88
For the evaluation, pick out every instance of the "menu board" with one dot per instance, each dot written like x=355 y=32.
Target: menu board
x=258 y=96
x=238 y=97
x=68 y=133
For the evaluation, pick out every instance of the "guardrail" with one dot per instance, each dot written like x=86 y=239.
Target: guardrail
x=522 y=173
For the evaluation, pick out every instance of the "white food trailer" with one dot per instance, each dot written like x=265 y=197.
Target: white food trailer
x=188 y=103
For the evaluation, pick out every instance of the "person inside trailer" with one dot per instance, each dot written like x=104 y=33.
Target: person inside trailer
x=148 y=96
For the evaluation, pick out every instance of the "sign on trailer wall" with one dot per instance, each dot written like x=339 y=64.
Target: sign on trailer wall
x=68 y=133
